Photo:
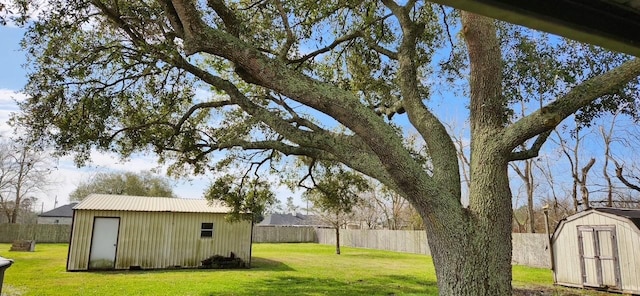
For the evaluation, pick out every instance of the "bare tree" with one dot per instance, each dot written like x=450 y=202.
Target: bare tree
x=393 y=207
x=560 y=205
x=526 y=174
x=462 y=148
x=366 y=212
x=607 y=138
x=23 y=172
x=578 y=175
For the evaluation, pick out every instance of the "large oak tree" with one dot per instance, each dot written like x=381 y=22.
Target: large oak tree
x=324 y=80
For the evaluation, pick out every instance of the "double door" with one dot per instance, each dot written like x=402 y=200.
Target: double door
x=599 y=261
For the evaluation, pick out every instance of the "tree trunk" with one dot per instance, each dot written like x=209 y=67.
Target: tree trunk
x=18 y=200
x=574 y=194
x=472 y=250
x=337 y=240
x=7 y=213
x=584 y=190
x=14 y=216
x=472 y=255
x=530 y=188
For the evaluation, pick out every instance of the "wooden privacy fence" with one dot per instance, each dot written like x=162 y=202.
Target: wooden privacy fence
x=407 y=241
x=41 y=233
x=529 y=249
x=284 y=234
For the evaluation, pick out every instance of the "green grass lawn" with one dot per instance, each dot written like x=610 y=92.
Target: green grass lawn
x=277 y=269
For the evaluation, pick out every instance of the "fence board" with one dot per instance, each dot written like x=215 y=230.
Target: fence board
x=530 y=249
x=41 y=233
x=284 y=234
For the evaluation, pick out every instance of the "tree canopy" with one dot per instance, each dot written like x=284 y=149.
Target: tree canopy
x=249 y=199
x=127 y=183
x=340 y=81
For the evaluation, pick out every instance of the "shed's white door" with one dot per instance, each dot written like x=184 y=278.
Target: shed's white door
x=599 y=256
x=103 y=243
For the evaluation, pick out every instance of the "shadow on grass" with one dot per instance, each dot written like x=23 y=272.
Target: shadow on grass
x=307 y=285
x=257 y=264
x=264 y=264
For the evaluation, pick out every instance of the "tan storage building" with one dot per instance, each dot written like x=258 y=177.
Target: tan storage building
x=598 y=248
x=135 y=232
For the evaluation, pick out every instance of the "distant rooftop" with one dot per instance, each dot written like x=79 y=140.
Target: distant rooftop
x=110 y=202
x=65 y=211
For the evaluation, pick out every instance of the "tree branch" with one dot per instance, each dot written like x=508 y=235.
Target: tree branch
x=623 y=179
x=381 y=50
x=173 y=17
x=231 y=22
x=441 y=147
x=548 y=117
x=290 y=36
x=196 y=107
x=534 y=150
x=327 y=48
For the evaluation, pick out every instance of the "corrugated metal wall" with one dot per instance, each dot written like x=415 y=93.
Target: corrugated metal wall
x=161 y=239
x=567 y=258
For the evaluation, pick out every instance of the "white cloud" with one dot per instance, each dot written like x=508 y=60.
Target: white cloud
x=5 y=129
x=8 y=106
x=36 y=9
x=9 y=97
x=113 y=161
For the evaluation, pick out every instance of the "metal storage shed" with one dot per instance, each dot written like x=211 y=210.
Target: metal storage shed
x=135 y=232
x=598 y=248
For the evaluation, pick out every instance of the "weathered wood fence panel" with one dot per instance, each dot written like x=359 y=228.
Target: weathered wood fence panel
x=530 y=249
x=284 y=234
x=408 y=241
x=41 y=233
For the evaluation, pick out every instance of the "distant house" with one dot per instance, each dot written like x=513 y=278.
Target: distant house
x=59 y=215
x=136 y=232
x=292 y=220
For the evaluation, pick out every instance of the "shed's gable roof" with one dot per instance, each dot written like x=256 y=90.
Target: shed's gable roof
x=632 y=214
x=65 y=211
x=108 y=202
